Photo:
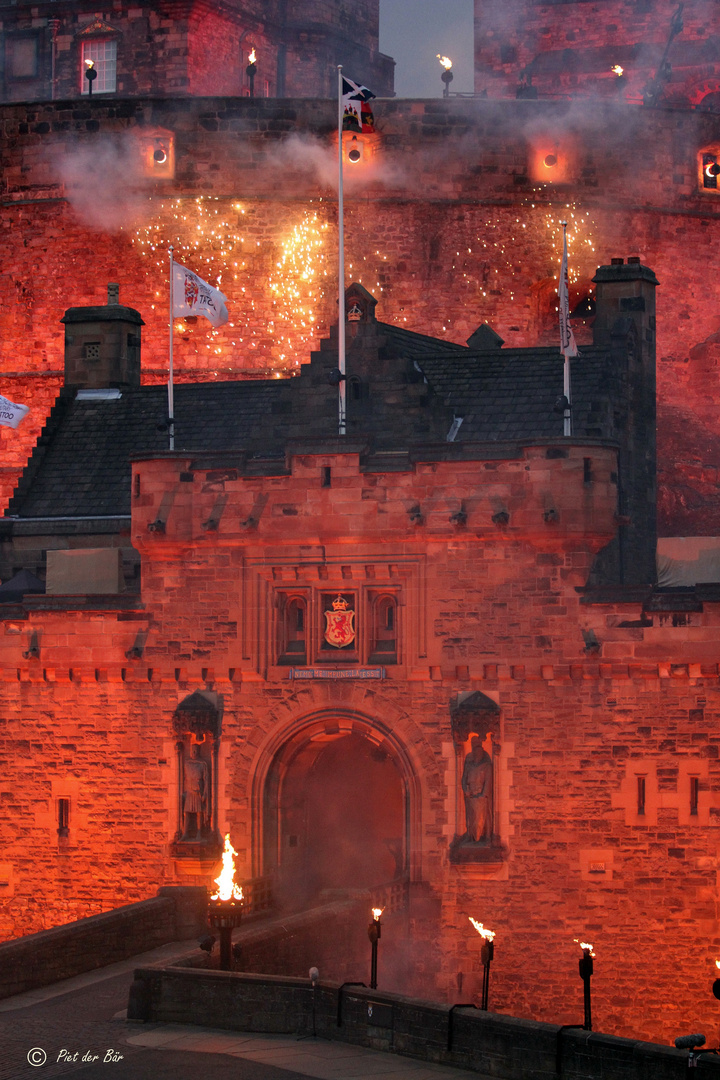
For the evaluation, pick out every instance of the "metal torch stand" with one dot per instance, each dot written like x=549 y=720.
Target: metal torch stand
x=486 y=954
x=374 y=932
x=585 y=965
x=225 y=917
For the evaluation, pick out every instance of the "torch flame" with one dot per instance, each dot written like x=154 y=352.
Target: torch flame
x=584 y=946
x=90 y=63
x=717 y=963
x=252 y=57
x=227 y=889
x=482 y=930
x=377 y=912
x=445 y=61
x=617 y=69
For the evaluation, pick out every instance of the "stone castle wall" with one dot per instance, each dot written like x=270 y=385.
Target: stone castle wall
x=452 y=219
x=570 y=48
x=591 y=697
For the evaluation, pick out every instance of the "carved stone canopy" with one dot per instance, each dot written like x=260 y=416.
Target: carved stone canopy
x=473 y=712
x=359 y=304
x=199 y=714
x=98 y=28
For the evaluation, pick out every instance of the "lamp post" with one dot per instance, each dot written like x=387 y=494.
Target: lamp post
x=585 y=966
x=486 y=955
x=250 y=71
x=374 y=932
x=90 y=75
x=447 y=75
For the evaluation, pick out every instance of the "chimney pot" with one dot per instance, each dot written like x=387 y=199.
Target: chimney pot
x=113 y=293
x=617 y=262
x=634 y=260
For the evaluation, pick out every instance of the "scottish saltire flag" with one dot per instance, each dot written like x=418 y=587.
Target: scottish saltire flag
x=10 y=413
x=357 y=114
x=193 y=296
x=567 y=338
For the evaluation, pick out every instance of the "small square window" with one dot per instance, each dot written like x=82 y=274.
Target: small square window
x=102 y=55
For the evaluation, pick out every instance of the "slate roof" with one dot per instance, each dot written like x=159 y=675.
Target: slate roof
x=510 y=394
x=414 y=386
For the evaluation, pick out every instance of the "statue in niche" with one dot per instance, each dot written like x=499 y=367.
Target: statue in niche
x=477 y=787
x=195 y=794
x=197 y=723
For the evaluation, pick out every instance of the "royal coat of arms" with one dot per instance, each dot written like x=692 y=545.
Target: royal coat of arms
x=340 y=624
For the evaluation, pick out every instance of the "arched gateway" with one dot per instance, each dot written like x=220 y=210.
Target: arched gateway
x=336 y=801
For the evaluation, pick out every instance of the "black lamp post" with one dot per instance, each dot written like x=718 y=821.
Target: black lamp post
x=585 y=966
x=250 y=71
x=90 y=75
x=486 y=955
x=447 y=75
x=374 y=932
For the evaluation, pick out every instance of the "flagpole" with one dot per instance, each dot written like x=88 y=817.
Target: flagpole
x=171 y=403
x=567 y=412
x=341 y=265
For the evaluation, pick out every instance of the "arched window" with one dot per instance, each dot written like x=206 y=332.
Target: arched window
x=384 y=630
x=293 y=631
x=355 y=388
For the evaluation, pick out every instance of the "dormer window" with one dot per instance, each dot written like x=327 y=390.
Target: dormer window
x=102 y=54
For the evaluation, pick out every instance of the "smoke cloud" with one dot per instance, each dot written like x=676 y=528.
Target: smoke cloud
x=103 y=179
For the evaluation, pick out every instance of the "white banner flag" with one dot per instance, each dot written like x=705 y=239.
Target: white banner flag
x=193 y=296
x=567 y=338
x=10 y=413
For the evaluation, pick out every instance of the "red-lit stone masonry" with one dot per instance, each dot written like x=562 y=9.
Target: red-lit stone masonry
x=187 y=47
x=582 y=849
x=573 y=49
x=451 y=220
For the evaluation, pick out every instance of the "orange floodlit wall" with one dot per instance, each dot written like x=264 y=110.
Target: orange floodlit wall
x=582 y=703
x=452 y=219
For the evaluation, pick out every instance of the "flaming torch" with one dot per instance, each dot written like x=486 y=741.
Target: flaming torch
x=251 y=69
x=486 y=954
x=225 y=906
x=447 y=75
x=617 y=70
x=585 y=965
x=374 y=931
x=90 y=75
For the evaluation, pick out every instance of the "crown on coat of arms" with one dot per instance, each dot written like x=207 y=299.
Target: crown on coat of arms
x=340 y=603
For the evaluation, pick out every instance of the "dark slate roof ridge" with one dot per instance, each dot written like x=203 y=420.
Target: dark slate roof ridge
x=411 y=337
x=60 y=407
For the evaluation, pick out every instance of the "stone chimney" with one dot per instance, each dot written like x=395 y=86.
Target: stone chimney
x=625 y=290
x=625 y=325
x=102 y=345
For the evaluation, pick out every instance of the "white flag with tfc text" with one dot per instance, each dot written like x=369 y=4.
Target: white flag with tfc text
x=567 y=338
x=10 y=413
x=193 y=296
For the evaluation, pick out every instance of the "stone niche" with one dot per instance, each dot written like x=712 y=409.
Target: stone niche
x=475 y=722
x=197 y=723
